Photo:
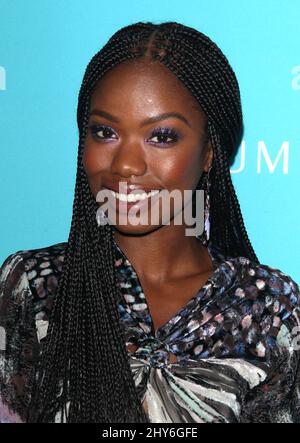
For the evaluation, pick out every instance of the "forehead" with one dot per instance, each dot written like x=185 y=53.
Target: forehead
x=144 y=84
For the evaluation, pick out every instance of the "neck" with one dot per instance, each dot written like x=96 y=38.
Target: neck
x=164 y=254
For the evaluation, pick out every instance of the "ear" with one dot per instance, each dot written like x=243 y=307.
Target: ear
x=208 y=157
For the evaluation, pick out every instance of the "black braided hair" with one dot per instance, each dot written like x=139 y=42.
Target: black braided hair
x=83 y=371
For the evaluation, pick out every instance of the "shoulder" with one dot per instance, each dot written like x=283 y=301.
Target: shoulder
x=32 y=263
x=258 y=280
x=255 y=277
x=268 y=301
x=259 y=304
x=251 y=280
x=268 y=290
x=28 y=259
x=43 y=268
x=30 y=274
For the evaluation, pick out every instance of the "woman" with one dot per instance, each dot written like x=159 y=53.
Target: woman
x=141 y=322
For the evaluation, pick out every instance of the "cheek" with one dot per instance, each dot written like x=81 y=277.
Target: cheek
x=94 y=162
x=183 y=171
x=94 y=159
x=90 y=160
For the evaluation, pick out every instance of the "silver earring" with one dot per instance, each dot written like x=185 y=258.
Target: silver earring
x=205 y=236
x=101 y=217
x=207 y=210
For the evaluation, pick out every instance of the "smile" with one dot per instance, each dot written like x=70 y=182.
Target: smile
x=133 y=197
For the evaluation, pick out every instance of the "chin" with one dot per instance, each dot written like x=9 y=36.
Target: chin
x=136 y=230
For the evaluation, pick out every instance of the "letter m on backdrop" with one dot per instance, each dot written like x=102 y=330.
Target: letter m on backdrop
x=284 y=152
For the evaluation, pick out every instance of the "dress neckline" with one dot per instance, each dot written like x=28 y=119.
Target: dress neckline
x=134 y=289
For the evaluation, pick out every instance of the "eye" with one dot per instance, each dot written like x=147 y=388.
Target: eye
x=164 y=136
x=102 y=132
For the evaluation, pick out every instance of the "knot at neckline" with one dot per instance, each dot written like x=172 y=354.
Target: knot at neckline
x=154 y=353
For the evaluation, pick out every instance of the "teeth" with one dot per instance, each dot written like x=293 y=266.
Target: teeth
x=133 y=197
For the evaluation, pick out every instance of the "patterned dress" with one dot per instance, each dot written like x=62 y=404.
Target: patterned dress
x=236 y=342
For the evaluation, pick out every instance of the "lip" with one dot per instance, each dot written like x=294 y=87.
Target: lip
x=123 y=207
x=129 y=187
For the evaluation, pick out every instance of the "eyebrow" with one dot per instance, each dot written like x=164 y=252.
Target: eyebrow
x=153 y=119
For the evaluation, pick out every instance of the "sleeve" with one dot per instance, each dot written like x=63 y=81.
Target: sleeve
x=17 y=340
x=276 y=397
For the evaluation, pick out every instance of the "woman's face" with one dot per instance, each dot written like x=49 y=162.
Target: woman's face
x=146 y=129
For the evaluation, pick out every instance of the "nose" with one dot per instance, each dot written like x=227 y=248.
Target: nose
x=129 y=159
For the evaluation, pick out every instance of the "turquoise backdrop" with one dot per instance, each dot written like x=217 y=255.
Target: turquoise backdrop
x=45 y=46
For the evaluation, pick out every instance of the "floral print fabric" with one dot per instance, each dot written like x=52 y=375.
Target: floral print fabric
x=229 y=355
